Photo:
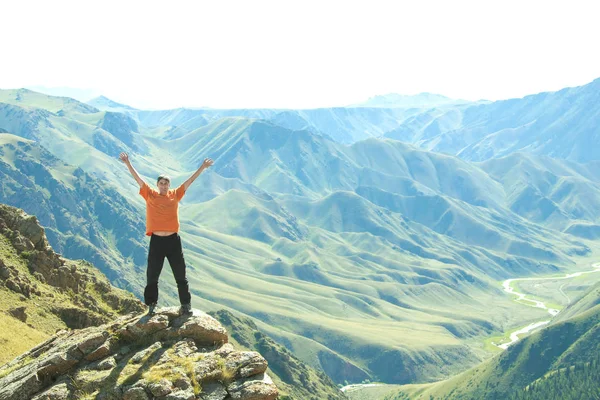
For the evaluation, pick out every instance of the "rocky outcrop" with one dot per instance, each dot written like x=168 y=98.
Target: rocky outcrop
x=295 y=379
x=19 y=313
x=93 y=300
x=164 y=356
x=28 y=234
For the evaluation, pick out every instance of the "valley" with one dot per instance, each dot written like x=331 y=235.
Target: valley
x=367 y=257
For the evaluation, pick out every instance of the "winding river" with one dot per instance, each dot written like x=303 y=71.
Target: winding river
x=514 y=336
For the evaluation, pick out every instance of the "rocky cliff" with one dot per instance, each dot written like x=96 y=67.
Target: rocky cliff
x=164 y=356
x=42 y=292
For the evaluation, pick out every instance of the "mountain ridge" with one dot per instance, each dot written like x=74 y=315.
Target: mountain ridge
x=424 y=100
x=559 y=124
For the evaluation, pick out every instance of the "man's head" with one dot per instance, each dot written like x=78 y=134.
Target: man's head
x=163 y=182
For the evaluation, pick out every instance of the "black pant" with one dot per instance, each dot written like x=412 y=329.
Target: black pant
x=170 y=247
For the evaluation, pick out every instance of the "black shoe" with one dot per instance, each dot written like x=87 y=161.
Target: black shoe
x=186 y=309
x=151 y=309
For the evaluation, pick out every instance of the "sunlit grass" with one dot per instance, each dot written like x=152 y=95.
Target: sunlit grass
x=17 y=337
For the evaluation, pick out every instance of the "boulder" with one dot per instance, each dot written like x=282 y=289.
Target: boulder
x=19 y=313
x=259 y=387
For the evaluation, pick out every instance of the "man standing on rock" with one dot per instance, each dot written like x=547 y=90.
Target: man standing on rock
x=162 y=225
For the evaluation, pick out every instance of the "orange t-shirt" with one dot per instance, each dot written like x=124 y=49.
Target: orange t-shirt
x=162 y=212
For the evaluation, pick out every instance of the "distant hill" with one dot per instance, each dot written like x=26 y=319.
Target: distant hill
x=421 y=100
x=30 y=99
x=104 y=103
x=344 y=125
x=560 y=124
x=554 y=193
x=82 y=95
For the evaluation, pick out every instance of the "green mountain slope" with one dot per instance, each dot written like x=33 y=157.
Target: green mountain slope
x=572 y=340
x=557 y=194
x=577 y=382
x=42 y=292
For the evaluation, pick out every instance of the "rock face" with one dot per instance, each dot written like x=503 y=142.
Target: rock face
x=164 y=356
x=93 y=300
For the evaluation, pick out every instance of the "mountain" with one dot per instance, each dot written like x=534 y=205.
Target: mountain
x=344 y=125
x=41 y=292
x=82 y=95
x=293 y=162
x=376 y=260
x=570 y=342
x=91 y=133
x=558 y=124
x=555 y=193
x=104 y=103
x=30 y=99
x=576 y=382
x=421 y=100
x=141 y=357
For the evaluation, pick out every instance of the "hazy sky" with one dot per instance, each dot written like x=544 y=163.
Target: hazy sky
x=298 y=54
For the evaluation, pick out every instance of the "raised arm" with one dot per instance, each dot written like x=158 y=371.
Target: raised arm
x=125 y=158
x=207 y=163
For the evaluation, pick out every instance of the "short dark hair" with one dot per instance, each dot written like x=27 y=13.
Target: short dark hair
x=165 y=177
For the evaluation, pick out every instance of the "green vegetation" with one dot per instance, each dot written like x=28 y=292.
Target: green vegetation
x=371 y=392
x=566 y=344
x=16 y=338
x=170 y=370
x=227 y=374
x=581 y=381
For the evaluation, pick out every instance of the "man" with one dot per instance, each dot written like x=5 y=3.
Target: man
x=162 y=225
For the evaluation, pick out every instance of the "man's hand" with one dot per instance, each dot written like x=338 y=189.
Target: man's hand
x=124 y=157
x=207 y=163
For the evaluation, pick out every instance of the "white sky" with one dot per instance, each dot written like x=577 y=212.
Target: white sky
x=298 y=54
